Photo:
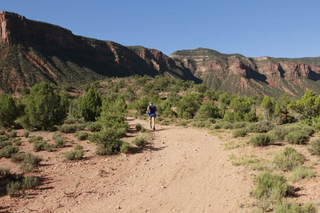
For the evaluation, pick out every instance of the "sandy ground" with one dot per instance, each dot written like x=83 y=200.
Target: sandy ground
x=180 y=170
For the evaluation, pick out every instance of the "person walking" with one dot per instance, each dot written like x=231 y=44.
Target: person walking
x=151 y=110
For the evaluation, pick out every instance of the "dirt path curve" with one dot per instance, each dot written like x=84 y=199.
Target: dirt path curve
x=183 y=170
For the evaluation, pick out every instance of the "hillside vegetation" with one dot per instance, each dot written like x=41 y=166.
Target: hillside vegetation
x=96 y=112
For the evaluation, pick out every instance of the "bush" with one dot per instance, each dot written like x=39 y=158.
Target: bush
x=5 y=143
x=13 y=134
x=262 y=139
x=125 y=147
x=4 y=137
x=314 y=147
x=74 y=155
x=7 y=151
x=239 y=133
x=59 y=142
x=82 y=135
x=41 y=145
x=13 y=188
x=139 y=141
x=17 y=142
x=287 y=159
x=30 y=162
x=270 y=187
x=35 y=138
x=301 y=172
x=111 y=148
x=71 y=128
x=17 y=157
x=287 y=207
x=260 y=127
x=297 y=137
x=138 y=127
x=30 y=182
x=94 y=127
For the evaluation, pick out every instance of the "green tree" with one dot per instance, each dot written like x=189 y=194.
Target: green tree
x=43 y=107
x=267 y=107
x=189 y=105
x=308 y=107
x=8 y=110
x=91 y=105
x=208 y=110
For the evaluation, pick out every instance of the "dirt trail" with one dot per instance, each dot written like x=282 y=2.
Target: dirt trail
x=182 y=170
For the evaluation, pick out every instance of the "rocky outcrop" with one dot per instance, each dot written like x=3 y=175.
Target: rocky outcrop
x=265 y=75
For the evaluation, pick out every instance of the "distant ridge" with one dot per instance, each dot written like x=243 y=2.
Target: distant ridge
x=34 y=51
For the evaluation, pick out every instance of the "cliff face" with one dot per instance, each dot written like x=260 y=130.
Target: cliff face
x=263 y=76
x=32 y=52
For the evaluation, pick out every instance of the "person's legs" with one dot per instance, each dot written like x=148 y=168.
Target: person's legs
x=153 y=122
x=150 y=119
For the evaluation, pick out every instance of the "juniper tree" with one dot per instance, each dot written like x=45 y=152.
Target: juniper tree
x=91 y=105
x=8 y=110
x=44 y=108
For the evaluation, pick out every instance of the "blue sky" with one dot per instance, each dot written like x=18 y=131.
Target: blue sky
x=253 y=28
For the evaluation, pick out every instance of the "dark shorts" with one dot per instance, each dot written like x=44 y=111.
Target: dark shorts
x=152 y=115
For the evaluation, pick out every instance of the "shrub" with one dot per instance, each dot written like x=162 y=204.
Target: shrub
x=75 y=154
x=301 y=172
x=238 y=125
x=30 y=162
x=239 y=132
x=2 y=132
x=13 y=188
x=286 y=207
x=7 y=151
x=223 y=125
x=4 y=137
x=4 y=172
x=30 y=182
x=82 y=135
x=71 y=128
x=139 y=141
x=56 y=135
x=39 y=145
x=125 y=147
x=94 y=127
x=297 y=137
x=17 y=157
x=5 y=143
x=35 y=138
x=17 y=142
x=110 y=148
x=260 y=127
x=138 y=127
x=270 y=186
x=314 y=147
x=59 y=142
x=262 y=139
x=287 y=159
x=13 y=134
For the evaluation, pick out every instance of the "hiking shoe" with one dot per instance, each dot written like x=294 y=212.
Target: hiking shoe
x=154 y=128
x=150 y=127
